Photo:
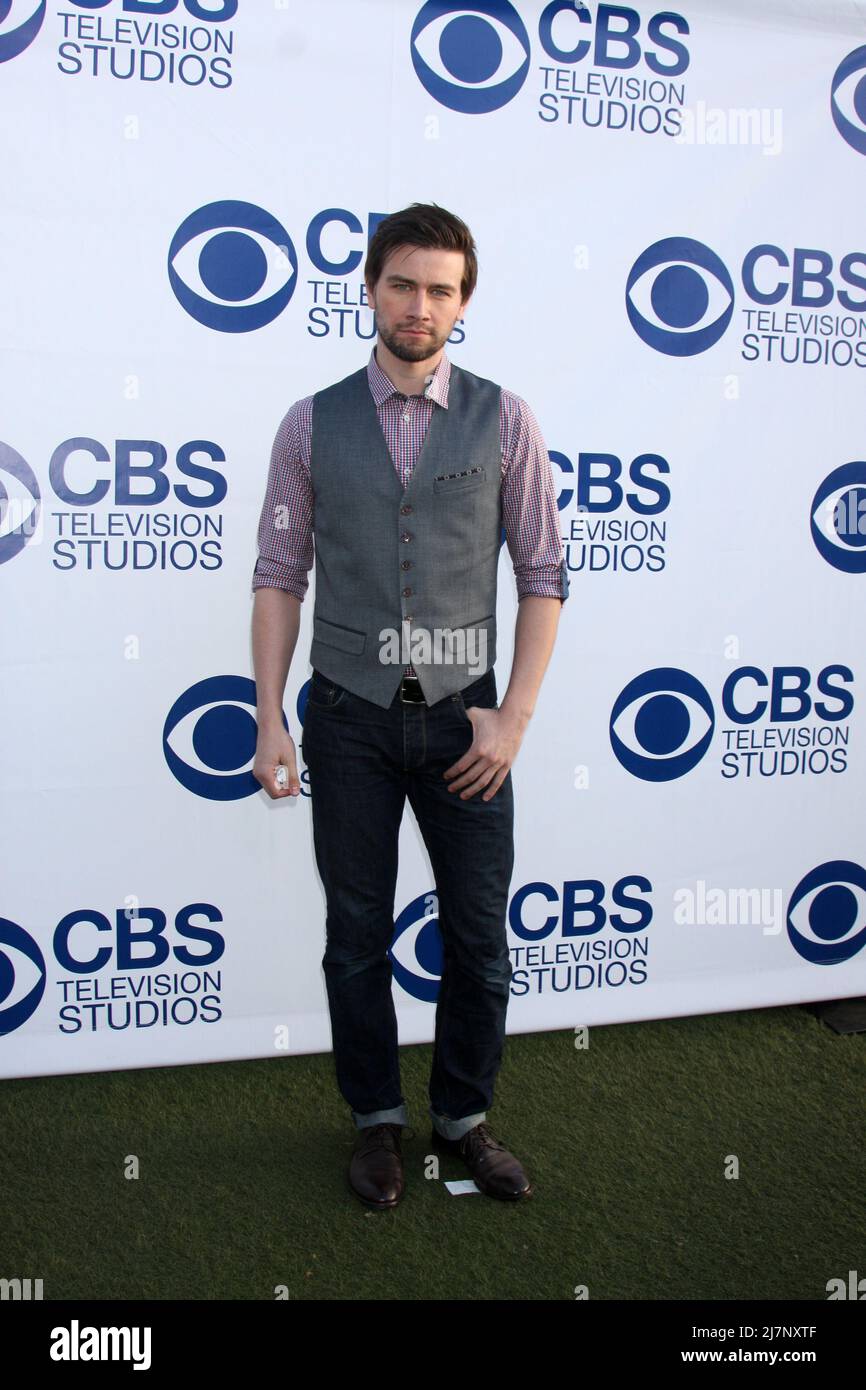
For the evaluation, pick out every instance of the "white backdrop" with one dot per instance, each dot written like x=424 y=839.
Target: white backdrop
x=669 y=230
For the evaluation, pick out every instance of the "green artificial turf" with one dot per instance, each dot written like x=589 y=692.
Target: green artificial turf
x=242 y=1174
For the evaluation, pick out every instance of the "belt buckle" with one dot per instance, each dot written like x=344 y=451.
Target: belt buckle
x=410 y=691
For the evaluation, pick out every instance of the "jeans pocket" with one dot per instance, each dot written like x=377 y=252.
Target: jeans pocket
x=481 y=694
x=325 y=693
x=460 y=707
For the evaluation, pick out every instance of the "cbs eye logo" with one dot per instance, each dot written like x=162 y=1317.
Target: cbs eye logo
x=838 y=518
x=661 y=725
x=679 y=297
x=416 y=949
x=824 y=911
x=22 y=976
x=232 y=266
x=470 y=58
x=20 y=501
x=16 y=33
x=848 y=99
x=209 y=737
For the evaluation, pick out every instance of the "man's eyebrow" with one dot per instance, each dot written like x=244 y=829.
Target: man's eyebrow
x=407 y=280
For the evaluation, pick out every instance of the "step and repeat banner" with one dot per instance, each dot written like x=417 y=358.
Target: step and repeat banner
x=668 y=211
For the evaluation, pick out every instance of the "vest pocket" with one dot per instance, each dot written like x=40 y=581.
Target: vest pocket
x=459 y=481
x=348 y=639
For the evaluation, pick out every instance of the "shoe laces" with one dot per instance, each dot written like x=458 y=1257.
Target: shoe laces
x=384 y=1136
x=482 y=1137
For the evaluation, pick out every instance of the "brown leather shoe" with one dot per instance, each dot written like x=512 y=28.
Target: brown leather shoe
x=376 y=1166
x=495 y=1171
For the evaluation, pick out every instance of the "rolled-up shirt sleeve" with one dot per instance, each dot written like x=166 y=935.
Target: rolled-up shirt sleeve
x=529 y=511
x=285 y=530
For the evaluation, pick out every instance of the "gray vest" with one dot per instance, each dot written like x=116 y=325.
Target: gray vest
x=429 y=554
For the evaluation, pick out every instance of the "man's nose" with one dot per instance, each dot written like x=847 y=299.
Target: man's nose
x=419 y=306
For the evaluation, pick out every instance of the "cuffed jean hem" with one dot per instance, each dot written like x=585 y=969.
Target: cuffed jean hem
x=398 y=1116
x=455 y=1129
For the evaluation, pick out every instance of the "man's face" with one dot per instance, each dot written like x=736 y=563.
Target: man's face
x=417 y=300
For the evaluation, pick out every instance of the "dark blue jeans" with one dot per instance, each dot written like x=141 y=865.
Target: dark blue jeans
x=362 y=762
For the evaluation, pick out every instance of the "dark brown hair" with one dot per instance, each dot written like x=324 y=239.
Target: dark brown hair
x=423 y=224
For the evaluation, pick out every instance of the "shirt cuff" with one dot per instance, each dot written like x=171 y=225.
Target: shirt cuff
x=551 y=582
x=264 y=579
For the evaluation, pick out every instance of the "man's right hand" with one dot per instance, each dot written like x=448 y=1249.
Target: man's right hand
x=275 y=746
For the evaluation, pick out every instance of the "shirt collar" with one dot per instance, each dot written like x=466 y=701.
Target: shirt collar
x=436 y=389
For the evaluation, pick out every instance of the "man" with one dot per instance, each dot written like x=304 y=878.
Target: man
x=406 y=470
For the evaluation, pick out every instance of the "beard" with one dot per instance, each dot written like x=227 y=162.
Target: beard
x=411 y=349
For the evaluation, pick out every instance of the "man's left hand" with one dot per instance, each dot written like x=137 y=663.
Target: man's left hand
x=487 y=760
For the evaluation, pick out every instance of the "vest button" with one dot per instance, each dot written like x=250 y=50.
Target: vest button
x=404 y=511
x=405 y=564
x=407 y=593
x=409 y=617
x=406 y=536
